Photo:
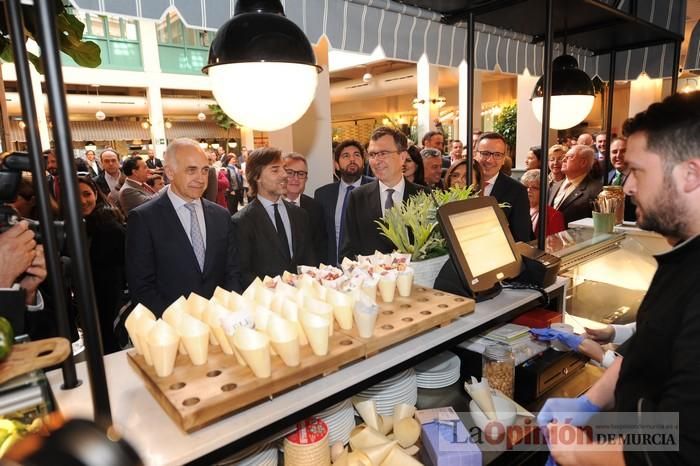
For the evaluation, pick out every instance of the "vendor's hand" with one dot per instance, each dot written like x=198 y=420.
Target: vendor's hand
x=17 y=251
x=601 y=335
x=576 y=411
x=565 y=442
x=548 y=334
x=34 y=275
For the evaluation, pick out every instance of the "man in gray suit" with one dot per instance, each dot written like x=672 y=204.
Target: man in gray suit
x=135 y=190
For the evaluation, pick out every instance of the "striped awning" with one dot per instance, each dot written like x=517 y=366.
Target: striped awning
x=692 y=60
x=405 y=32
x=197 y=130
x=108 y=130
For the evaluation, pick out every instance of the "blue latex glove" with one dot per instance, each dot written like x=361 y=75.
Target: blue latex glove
x=550 y=461
x=548 y=334
x=574 y=411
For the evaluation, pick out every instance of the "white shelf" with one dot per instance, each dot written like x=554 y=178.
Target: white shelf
x=160 y=442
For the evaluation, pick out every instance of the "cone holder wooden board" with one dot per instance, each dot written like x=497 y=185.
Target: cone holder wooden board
x=194 y=396
x=405 y=318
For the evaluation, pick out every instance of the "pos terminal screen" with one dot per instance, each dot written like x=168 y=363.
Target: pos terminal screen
x=482 y=240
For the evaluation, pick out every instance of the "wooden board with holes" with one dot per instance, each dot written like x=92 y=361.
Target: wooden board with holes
x=407 y=317
x=194 y=396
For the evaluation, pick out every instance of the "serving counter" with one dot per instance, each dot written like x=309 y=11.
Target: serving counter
x=159 y=441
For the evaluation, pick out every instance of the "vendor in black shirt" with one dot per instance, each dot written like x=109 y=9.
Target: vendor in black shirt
x=660 y=371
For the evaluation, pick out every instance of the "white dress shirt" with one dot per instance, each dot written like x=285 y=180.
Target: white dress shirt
x=397 y=195
x=184 y=214
x=489 y=185
x=112 y=182
x=268 y=205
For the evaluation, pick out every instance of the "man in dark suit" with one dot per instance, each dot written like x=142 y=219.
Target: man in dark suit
x=275 y=234
x=180 y=243
x=154 y=164
x=134 y=191
x=618 y=174
x=297 y=173
x=109 y=180
x=573 y=195
x=387 y=153
x=432 y=167
x=491 y=155
x=93 y=167
x=349 y=158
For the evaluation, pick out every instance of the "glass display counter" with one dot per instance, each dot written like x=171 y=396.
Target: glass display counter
x=608 y=274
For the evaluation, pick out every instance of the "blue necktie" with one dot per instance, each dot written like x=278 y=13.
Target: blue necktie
x=341 y=233
x=196 y=236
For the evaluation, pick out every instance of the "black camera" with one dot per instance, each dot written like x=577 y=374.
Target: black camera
x=11 y=167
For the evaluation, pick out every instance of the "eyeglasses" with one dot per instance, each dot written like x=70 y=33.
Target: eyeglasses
x=300 y=174
x=532 y=187
x=382 y=154
x=487 y=154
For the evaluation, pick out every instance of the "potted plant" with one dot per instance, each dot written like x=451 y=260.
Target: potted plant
x=412 y=227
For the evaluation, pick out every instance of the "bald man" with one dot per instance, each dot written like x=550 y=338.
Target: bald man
x=180 y=243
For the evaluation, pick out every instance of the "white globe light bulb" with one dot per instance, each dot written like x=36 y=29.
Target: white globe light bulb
x=265 y=96
x=566 y=111
x=201 y=116
x=100 y=115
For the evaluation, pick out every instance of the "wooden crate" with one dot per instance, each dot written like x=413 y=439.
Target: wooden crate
x=194 y=396
x=404 y=318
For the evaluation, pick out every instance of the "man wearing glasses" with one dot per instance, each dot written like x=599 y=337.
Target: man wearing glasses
x=490 y=153
x=297 y=173
x=366 y=204
x=349 y=158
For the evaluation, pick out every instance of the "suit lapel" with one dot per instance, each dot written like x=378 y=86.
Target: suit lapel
x=210 y=250
x=295 y=224
x=374 y=202
x=172 y=223
x=575 y=194
x=498 y=187
x=261 y=217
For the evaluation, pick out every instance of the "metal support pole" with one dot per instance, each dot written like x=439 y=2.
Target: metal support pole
x=546 y=105
x=676 y=66
x=13 y=12
x=608 y=118
x=470 y=98
x=85 y=292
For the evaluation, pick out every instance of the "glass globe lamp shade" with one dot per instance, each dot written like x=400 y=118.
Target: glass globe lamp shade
x=261 y=67
x=572 y=94
x=100 y=115
x=201 y=116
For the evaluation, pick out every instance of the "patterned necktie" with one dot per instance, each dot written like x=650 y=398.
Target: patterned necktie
x=617 y=180
x=343 y=209
x=483 y=190
x=281 y=232
x=196 y=236
x=389 y=203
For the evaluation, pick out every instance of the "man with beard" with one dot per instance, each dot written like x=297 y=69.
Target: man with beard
x=349 y=163
x=660 y=372
x=275 y=235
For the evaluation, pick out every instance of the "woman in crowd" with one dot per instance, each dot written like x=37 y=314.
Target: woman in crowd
x=456 y=175
x=534 y=158
x=413 y=166
x=104 y=225
x=555 y=156
x=555 y=219
x=223 y=183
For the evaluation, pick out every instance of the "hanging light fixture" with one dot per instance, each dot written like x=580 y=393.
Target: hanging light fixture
x=232 y=144
x=416 y=103
x=99 y=114
x=261 y=67
x=439 y=101
x=168 y=124
x=572 y=94
x=687 y=82
x=145 y=124
x=203 y=144
x=201 y=116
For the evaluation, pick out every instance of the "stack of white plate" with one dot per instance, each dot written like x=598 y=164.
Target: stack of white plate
x=258 y=455
x=400 y=388
x=439 y=371
x=340 y=419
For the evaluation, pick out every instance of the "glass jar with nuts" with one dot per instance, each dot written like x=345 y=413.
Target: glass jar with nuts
x=499 y=368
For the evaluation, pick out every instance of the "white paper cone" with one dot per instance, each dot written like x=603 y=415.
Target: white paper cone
x=404 y=283
x=365 y=319
x=264 y=297
x=214 y=316
x=195 y=336
x=277 y=303
x=196 y=305
x=254 y=347
x=342 y=308
x=387 y=289
x=162 y=343
x=142 y=326
x=358 y=458
x=322 y=309
x=290 y=311
x=283 y=338
x=316 y=330
x=221 y=297
x=407 y=431
x=137 y=313
x=368 y=412
x=363 y=437
x=386 y=424
x=370 y=289
x=482 y=397
x=402 y=411
x=251 y=292
x=342 y=459
x=172 y=316
x=397 y=457
x=378 y=453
